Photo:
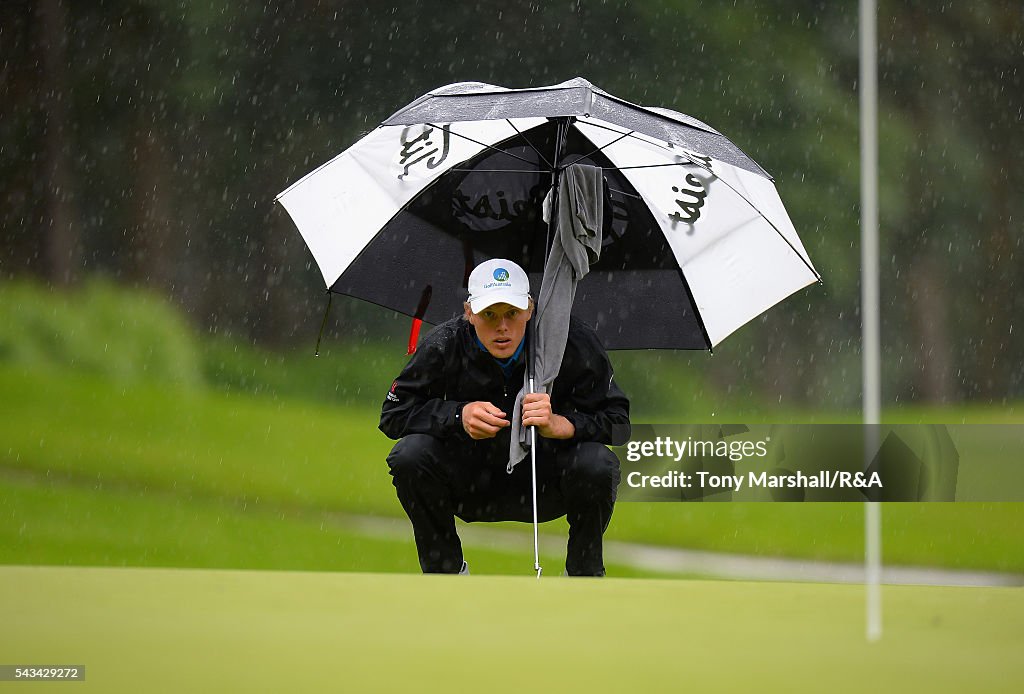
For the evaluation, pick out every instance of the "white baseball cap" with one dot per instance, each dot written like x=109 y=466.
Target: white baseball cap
x=498 y=281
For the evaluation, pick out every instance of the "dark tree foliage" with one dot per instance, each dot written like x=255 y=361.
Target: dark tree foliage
x=146 y=139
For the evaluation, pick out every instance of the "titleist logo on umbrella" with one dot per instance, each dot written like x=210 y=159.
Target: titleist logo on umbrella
x=423 y=147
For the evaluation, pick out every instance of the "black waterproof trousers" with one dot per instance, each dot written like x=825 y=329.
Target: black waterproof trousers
x=439 y=479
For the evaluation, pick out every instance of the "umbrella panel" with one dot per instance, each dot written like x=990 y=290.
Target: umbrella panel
x=576 y=97
x=490 y=207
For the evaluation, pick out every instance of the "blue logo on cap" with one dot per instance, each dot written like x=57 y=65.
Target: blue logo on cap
x=501 y=274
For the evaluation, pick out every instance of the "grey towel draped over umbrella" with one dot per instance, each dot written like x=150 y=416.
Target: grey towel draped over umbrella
x=575 y=247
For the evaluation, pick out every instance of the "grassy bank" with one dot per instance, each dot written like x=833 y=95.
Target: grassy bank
x=254 y=460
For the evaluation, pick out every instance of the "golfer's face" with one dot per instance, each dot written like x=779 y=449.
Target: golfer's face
x=500 y=328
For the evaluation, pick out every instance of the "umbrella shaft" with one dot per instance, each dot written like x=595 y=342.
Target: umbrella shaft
x=533 y=479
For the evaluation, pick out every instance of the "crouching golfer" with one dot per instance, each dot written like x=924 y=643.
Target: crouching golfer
x=451 y=409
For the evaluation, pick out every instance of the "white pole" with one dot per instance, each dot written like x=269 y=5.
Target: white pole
x=871 y=340
x=533 y=480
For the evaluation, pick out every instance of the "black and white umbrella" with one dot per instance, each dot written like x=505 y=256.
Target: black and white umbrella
x=697 y=241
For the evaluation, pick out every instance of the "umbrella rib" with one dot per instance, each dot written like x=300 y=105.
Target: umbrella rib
x=539 y=153
x=783 y=236
x=483 y=144
x=631 y=133
x=647 y=166
x=707 y=167
x=526 y=171
x=647 y=139
x=589 y=154
x=623 y=192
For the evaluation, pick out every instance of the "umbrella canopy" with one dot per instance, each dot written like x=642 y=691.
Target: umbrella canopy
x=696 y=242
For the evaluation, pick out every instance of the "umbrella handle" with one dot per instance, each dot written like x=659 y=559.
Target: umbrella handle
x=533 y=479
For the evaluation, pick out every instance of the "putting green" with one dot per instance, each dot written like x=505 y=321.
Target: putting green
x=189 y=630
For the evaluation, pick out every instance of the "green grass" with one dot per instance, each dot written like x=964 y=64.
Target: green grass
x=56 y=523
x=201 y=630
x=952 y=535
x=93 y=526
x=126 y=336
x=300 y=458
x=191 y=441
x=348 y=373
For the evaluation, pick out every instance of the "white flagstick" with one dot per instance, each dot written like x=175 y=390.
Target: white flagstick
x=871 y=355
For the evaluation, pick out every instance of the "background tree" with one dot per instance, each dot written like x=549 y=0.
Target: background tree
x=145 y=140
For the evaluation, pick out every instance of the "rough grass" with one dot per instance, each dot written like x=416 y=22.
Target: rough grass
x=296 y=458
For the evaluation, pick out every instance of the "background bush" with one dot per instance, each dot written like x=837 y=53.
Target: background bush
x=125 y=335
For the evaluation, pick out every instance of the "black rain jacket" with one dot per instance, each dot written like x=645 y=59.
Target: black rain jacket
x=449 y=370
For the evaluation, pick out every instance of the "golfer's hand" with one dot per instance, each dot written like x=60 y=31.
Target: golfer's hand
x=537 y=412
x=482 y=420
